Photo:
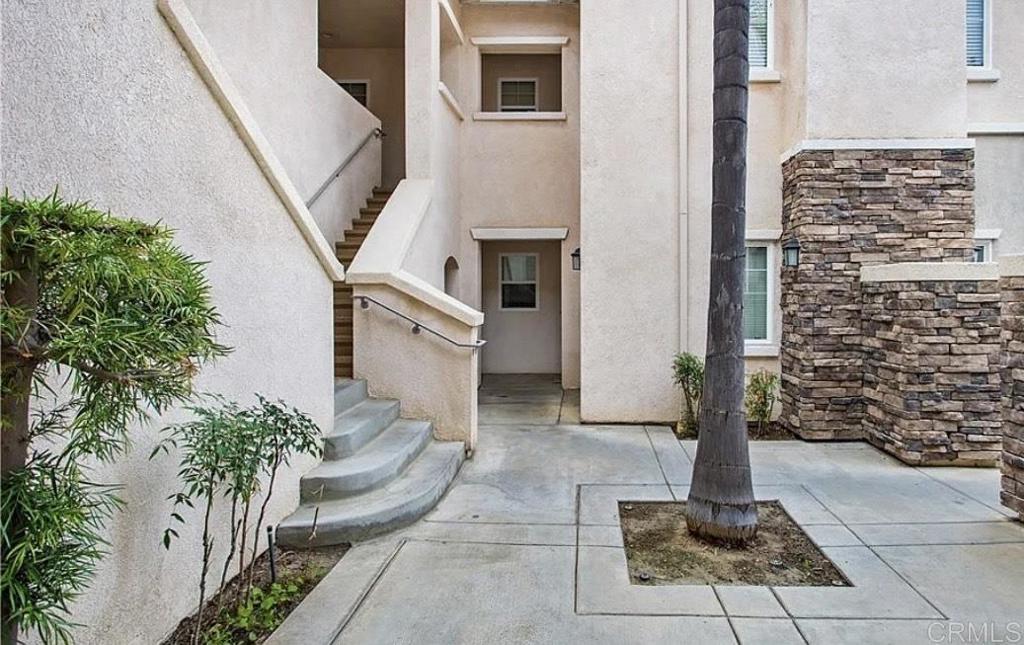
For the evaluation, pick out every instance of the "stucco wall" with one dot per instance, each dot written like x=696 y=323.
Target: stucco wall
x=998 y=196
x=524 y=173
x=630 y=210
x=523 y=342
x=100 y=98
x=1002 y=101
x=270 y=50
x=440 y=385
x=433 y=132
x=545 y=68
x=877 y=68
x=385 y=69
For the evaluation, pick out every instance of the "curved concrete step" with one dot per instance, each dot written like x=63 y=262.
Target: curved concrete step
x=379 y=462
x=398 y=504
x=348 y=393
x=358 y=426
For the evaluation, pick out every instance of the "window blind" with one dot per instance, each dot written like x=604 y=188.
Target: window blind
x=759 y=33
x=976 y=33
x=755 y=298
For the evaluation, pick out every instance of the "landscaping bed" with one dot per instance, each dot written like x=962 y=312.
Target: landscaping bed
x=298 y=571
x=661 y=551
x=773 y=431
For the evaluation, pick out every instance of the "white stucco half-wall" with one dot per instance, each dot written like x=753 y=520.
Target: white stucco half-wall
x=161 y=148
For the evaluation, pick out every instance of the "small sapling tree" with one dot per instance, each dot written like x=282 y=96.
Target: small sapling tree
x=227 y=452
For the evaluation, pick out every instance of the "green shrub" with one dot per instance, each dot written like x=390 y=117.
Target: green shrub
x=760 y=398
x=688 y=374
x=124 y=319
x=260 y=613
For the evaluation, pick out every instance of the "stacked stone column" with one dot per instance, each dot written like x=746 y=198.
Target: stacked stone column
x=932 y=358
x=1012 y=285
x=849 y=209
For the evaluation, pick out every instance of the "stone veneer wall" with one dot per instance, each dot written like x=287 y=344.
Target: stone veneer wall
x=932 y=356
x=848 y=209
x=1012 y=286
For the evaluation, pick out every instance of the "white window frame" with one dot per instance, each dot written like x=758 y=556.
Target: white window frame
x=770 y=45
x=767 y=346
x=986 y=250
x=536 y=282
x=986 y=72
x=353 y=81
x=986 y=36
x=987 y=238
x=520 y=108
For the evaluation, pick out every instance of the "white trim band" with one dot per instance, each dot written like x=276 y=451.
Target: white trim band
x=452 y=20
x=519 y=116
x=930 y=271
x=450 y=99
x=995 y=128
x=520 y=44
x=764 y=75
x=764 y=234
x=877 y=144
x=522 y=233
x=983 y=75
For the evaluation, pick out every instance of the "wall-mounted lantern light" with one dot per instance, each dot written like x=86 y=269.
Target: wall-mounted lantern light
x=791 y=252
x=575 y=255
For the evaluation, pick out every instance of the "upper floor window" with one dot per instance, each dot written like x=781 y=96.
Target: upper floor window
x=517 y=95
x=360 y=90
x=523 y=83
x=977 y=33
x=761 y=19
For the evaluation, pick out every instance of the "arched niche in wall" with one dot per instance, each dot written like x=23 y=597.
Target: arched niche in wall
x=451 y=277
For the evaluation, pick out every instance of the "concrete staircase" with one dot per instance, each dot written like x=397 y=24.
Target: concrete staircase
x=346 y=250
x=379 y=473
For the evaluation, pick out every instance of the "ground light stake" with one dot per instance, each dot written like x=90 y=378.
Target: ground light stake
x=270 y=549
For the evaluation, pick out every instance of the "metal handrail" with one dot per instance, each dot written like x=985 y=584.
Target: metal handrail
x=376 y=133
x=417 y=326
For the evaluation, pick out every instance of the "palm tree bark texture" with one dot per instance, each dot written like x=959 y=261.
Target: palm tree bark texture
x=721 y=503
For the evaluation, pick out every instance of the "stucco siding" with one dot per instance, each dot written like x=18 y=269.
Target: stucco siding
x=270 y=50
x=385 y=70
x=100 y=99
x=629 y=152
x=998 y=196
x=523 y=173
x=1002 y=101
x=870 y=76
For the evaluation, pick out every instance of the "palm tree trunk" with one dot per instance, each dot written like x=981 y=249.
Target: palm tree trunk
x=721 y=500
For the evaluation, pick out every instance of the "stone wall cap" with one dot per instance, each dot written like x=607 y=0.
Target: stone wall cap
x=877 y=144
x=1011 y=265
x=938 y=271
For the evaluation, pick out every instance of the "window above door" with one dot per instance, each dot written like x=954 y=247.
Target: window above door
x=517 y=281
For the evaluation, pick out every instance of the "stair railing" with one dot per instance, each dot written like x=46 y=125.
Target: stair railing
x=417 y=326
x=376 y=133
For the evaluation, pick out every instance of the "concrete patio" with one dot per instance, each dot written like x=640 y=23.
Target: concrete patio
x=526 y=548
